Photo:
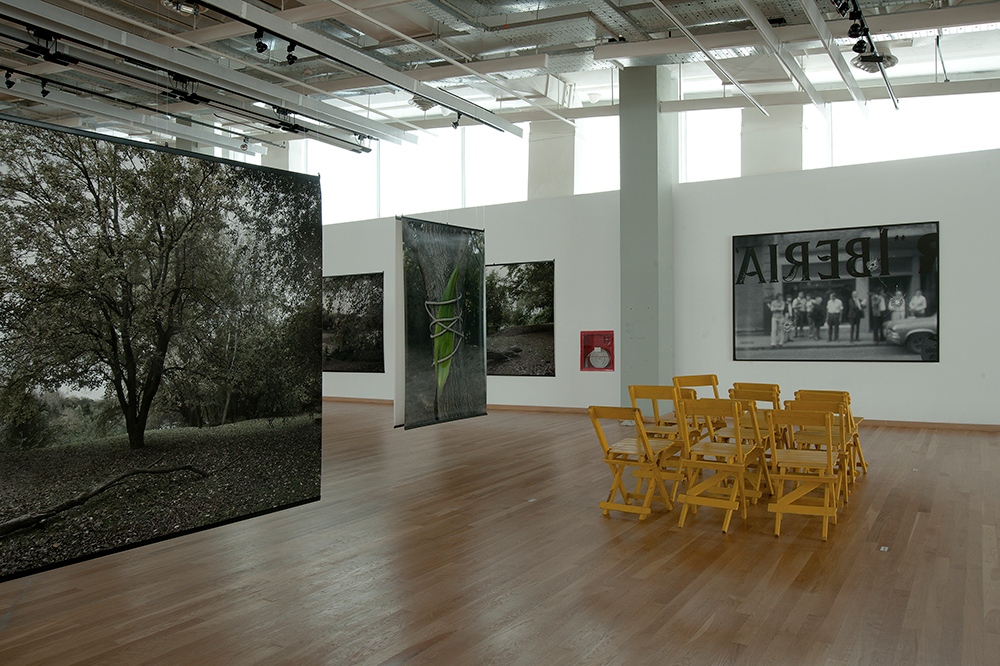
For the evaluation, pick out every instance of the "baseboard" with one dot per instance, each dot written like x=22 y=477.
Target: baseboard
x=536 y=408
x=368 y=401
x=922 y=425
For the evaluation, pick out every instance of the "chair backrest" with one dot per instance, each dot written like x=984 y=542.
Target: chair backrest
x=654 y=394
x=795 y=421
x=815 y=394
x=759 y=395
x=698 y=381
x=837 y=408
x=708 y=410
x=619 y=414
x=756 y=386
x=809 y=394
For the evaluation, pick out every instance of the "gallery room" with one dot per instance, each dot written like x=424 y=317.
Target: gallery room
x=325 y=323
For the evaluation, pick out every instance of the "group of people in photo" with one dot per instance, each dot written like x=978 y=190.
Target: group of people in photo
x=804 y=315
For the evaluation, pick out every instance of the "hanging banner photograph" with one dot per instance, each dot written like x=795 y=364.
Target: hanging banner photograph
x=852 y=294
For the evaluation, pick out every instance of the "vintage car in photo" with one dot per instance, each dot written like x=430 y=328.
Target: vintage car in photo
x=914 y=333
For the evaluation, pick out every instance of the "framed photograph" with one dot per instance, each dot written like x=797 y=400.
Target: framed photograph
x=520 y=319
x=353 y=322
x=851 y=294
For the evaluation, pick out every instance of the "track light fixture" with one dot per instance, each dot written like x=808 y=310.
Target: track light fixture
x=458 y=118
x=8 y=81
x=860 y=46
x=45 y=92
x=843 y=7
x=855 y=31
x=291 y=57
x=259 y=36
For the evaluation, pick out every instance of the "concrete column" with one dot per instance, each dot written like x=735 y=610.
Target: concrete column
x=648 y=138
x=771 y=144
x=551 y=150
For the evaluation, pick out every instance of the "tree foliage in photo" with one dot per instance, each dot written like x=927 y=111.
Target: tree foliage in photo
x=135 y=270
x=519 y=295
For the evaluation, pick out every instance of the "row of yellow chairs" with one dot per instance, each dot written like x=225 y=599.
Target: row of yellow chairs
x=729 y=452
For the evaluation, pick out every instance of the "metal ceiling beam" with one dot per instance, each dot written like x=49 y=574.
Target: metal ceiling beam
x=775 y=46
x=155 y=84
x=107 y=39
x=90 y=107
x=825 y=36
x=452 y=61
x=328 y=48
x=670 y=15
x=842 y=95
x=439 y=73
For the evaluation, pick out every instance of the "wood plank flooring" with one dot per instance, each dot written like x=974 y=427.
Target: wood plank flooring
x=481 y=542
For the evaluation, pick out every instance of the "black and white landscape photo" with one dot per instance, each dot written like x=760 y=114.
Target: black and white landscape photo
x=160 y=326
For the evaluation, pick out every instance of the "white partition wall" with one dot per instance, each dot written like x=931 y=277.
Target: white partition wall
x=959 y=191
x=579 y=233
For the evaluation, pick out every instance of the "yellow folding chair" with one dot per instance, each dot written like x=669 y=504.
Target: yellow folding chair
x=841 y=435
x=662 y=428
x=857 y=455
x=807 y=463
x=640 y=454
x=718 y=468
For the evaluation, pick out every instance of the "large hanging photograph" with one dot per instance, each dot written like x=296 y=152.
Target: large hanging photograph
x=445 y=332
x=852 y=294
x=160 y=325
x=520 y=319
x=353 y=323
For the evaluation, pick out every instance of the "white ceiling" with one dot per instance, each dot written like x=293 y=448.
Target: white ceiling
x=169 y=70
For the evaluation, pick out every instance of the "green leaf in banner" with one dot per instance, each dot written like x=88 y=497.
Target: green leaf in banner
x=444 y=338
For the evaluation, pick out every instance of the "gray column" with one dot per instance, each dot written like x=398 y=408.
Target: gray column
x=551 y=151
x=773 y=143
x=648 y=171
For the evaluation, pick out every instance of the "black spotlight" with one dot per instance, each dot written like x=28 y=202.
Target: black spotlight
x=843 y=7
x=458 y=118
x=860 y=46
x=854 y=31
x=259 y=36
x=45 y=93
x=291 y=57
x=8 y=81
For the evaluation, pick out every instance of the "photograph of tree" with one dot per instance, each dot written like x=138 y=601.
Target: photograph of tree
x=352 y=323
x=520 y=328
x=160 y=324
x=445 y=359
x=854 y=294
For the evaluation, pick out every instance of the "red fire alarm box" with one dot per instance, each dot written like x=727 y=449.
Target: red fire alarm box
x=597 y=350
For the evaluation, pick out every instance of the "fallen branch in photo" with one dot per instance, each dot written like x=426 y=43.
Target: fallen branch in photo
x=32 y=519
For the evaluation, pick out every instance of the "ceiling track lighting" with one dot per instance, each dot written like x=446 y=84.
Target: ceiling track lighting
x=291 y=57
x=186 y=8
x=860 y=46
x=458 y=119
x=259 y=36
x=8 y=81
x=855 y=31
x=45 y=91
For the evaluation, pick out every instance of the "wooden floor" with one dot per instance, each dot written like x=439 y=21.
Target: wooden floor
x=481 y=542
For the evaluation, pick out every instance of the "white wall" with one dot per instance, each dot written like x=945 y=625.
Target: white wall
x=579 y=233
x=959 y=191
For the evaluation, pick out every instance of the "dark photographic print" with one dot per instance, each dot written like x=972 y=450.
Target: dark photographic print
x=855 y=294
x=443 y=270
x=520 y=316
x=160 y=324
x=352 y=323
